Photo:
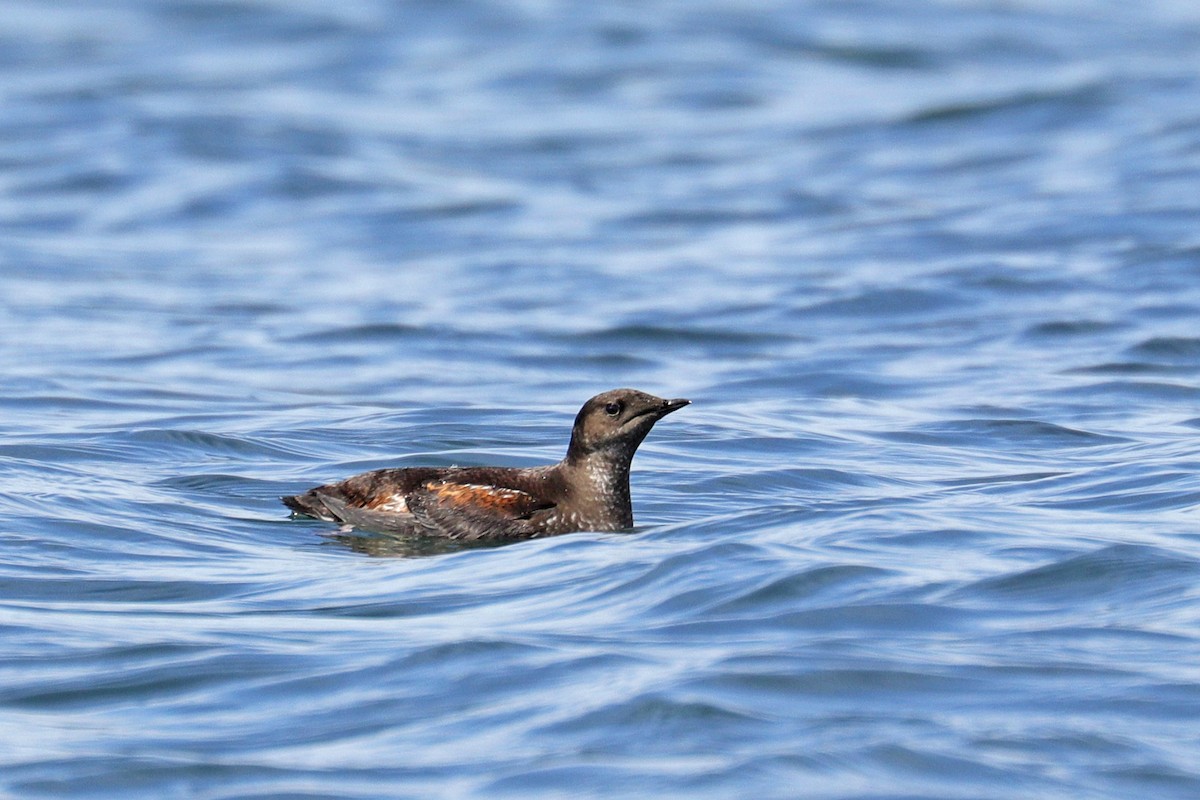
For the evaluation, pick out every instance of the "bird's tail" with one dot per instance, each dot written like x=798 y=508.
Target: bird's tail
x=309 y=505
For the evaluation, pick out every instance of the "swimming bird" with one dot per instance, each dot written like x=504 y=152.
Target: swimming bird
x=587 y=490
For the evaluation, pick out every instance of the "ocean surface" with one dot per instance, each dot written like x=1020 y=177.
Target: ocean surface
x=929 y=271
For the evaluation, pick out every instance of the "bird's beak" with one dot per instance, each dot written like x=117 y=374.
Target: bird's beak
x=673 y=405
x=660 y=409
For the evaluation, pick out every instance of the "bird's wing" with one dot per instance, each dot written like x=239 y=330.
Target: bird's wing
x=366 y=518
x=462 y=510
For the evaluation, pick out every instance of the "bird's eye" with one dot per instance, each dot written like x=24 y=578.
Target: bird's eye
x=613 y=408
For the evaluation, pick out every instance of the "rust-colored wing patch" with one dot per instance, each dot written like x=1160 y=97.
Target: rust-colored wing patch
x=389 y=504
x=482 y=498
x=475 y=510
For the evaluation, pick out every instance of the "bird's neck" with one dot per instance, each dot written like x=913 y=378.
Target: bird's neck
x=602 y=478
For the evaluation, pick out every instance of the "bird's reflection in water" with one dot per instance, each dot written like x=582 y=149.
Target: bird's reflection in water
x=383 y=546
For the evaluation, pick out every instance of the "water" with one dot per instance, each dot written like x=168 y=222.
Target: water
x=930 y=272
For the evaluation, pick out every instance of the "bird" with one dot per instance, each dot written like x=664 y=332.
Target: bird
x=587 y=490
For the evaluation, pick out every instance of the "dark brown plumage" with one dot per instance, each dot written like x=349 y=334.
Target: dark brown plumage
x=587 y=490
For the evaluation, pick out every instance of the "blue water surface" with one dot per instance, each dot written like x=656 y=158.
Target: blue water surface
x=930 y=272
